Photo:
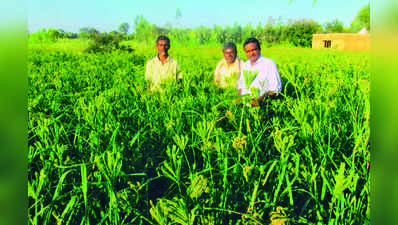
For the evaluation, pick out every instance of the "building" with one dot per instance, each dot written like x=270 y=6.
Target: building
x=341 y=41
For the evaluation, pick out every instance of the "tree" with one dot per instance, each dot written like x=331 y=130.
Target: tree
x=236 y=35
x=62 y=33
x=124 y=27
x=300 y=32
x=334 y=26
x=247 y=32
x=142 y=28
x=362 y=19
x=53 y=34
x=84 y=32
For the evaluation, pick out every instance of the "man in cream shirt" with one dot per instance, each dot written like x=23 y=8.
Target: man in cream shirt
x=259 y=77
x=228 y=69
x=162 y=67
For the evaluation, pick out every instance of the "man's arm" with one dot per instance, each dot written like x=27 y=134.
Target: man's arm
x=148 y=73
x=148 y=70
x=217 y=73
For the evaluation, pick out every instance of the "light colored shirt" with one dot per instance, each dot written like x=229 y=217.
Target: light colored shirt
x=227 y=75
x=267 y=78
x=157 y=72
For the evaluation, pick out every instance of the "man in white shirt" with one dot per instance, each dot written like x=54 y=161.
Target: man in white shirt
x=259 y=76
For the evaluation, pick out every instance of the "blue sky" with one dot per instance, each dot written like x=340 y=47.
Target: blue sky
x=108 y=15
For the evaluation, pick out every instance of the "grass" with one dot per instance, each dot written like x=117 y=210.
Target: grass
x=103 y=150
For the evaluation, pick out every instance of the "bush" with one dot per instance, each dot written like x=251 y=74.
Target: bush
x=107 y=42
x=300 y=32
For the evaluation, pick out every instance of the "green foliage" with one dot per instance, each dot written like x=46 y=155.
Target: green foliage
x=300 y=32
x=362 y=19
x=51 y=35
x=107 y=42
x=88 y=32
x=249 y=76
x=334 y=26
x=104 y=150
x=124 y=28
x=273 y=33
x=142 y=29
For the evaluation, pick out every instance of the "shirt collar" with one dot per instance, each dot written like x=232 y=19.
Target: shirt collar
x=260 y=58
x=157 y=58
x=236 y=61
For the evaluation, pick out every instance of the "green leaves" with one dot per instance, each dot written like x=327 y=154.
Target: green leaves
x=98 y=139
x=249 y=77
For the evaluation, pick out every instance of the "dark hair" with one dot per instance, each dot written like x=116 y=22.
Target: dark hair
x=252 y=40
x=228 y=45
x=164 y=38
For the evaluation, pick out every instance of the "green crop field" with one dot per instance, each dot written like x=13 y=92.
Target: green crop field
x=104 y=150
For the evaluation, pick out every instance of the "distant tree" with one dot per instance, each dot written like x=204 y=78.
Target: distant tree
x=219 y=34
x=300 y=32
x=269 y=33
x=92 y=32
x=71 y=35
x=142 y=28
x=202 y=34
x=334 y=26
x=124 y=28
x=362 y=19
x=236 y=33
x=107 y=42
x=157 y=30
x=88 y=32
x=247 y=32
x=259 y=32
x=62 y=33
x=53 y=34
x=84 y=32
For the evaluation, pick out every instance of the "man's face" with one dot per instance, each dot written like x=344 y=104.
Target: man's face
x=229 y=55
x=252 y=52
x=163 y=47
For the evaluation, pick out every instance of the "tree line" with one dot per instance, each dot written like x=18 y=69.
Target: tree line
x=294 y=32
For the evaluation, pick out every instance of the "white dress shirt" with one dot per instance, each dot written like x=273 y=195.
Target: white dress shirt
x=267 y=79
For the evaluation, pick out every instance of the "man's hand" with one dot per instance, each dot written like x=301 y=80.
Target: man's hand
x=254 y=102
x=217 y=79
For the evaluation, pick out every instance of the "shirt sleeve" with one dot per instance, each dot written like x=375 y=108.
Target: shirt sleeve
x=148 y=71
x=275 y=83
x=241 y=81
x=178 y=71
x=217 y=71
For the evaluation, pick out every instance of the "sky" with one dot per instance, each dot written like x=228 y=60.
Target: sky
x=108 y=15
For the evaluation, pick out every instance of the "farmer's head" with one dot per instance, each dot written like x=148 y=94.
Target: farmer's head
x=163 y=45
x=252 y=49
x=230 y=52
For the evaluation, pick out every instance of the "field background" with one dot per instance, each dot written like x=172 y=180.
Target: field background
x=103 y=150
